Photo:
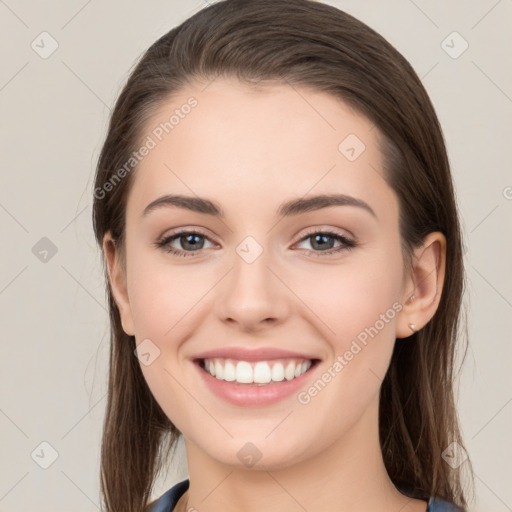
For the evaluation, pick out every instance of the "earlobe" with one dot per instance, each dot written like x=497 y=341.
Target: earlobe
x=424 y=285
x=117 y=280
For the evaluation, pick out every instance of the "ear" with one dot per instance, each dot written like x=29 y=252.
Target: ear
x=117 y=280
x=423 y=286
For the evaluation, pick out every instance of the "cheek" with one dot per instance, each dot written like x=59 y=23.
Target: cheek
x=344 y=301
x=351 y=297
x=162 y=306
x=161 y=295
x=357 y=306
x=166 y=300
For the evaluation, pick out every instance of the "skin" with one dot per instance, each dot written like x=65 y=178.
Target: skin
x=250 y=149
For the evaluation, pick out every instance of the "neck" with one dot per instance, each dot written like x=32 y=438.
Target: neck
x=347 y=476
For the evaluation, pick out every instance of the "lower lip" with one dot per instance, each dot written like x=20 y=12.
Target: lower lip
x=254 y=394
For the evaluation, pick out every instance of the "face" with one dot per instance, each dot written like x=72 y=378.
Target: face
x=262 y=277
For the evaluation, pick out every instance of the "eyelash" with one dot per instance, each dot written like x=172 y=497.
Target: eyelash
x=348 y=244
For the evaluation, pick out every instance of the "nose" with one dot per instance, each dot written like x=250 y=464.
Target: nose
x=253 y=296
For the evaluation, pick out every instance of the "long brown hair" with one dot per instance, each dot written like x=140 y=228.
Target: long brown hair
x=304 y=43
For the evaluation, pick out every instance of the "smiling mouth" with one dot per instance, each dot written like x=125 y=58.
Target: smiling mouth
x=256 y=372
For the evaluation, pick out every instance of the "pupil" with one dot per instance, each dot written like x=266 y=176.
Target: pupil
x=318 y=238
x=190 y=242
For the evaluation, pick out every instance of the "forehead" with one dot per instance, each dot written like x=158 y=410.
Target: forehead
x=237 y=143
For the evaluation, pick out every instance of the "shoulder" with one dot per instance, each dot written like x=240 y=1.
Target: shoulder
x=168 y=500
x=439 y=505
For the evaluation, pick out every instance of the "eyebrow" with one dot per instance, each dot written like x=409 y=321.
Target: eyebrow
x=287 y=209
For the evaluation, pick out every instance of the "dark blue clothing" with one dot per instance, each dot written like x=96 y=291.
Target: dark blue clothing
x=168 y=500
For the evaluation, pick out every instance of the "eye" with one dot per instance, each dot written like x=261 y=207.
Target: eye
x=324 y=240
x=190 y=241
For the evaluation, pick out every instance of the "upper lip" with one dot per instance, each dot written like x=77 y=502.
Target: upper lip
x=258 y=354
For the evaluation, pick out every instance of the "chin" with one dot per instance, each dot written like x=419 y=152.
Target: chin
x=258 y=456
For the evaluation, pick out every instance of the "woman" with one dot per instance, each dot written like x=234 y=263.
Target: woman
x=284 y=269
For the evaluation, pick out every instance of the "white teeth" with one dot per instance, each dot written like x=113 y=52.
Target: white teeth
x=219 y=370
x=289 y=373
x=261 y=372
x=229 y=371
x=277 y=372
x=244 y=373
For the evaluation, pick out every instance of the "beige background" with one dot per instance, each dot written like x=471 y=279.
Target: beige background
x=54 y=112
